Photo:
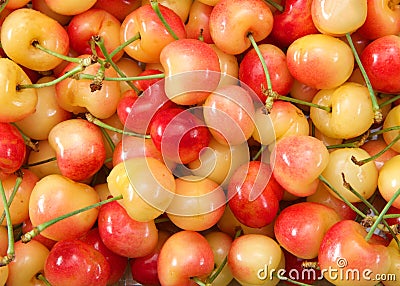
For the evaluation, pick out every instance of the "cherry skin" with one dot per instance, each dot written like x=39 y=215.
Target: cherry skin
x=74 y=262
x=12 y=148
x=119 y=8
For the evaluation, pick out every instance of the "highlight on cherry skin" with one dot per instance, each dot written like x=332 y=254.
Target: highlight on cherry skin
x=200 y=142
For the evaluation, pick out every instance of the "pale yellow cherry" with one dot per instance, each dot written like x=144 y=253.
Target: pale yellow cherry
x=363 y=179
x=73 y=7
x=43 y=162
x=15 y=104
x=392 y=119
x=338 y=17
x=389 y=180
x=229 y=67
x=47 y=114
x=130 y=68
x=351 y=111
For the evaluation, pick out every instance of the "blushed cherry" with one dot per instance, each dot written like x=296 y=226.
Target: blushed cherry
x=119 y=8
x=304 y=92
x=42 y=162
x=130 y=68
x=41 y=5
x=71 y=7
x=388 y=180
x=198 y=22
x=392 y=119
x=375 y=146
x=13 y=149
x=229 y=66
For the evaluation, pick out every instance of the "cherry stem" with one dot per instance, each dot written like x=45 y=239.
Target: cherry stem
x=68 y=74
x=375 y=106
x=161 y=220
x=18 y=182
x=108 y=139
x=100 y=123
x=381 y=214
x=377 y=155
x=369 y=205
x=41 y=277
x=262 y=149
x=299 y=101
x=40 y=162
x=10 y=232
x=38 y=229
x=389 y=101
x=278 y=7
x=144 y=77
x=3 y=4
x=125 y=44
x=99 y=41
x=156 y=8
x=38 y=46
x=346 y=201
x=27 y=140
x=391 y=216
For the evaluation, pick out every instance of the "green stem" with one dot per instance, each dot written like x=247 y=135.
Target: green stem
x=10 y=232
x=391 y=216
x=38 y=229
x=18 y=182
x=354 y=144
x=198 y=281
x=388 y=129
x=375 y=106
x=41 y=277
x=347 y=202
x=37 y=45
x=40 y=162
x=278 y=7
x=68 y=74
x=156 y=8
x=27 y=140
x=99 y=41
x=389 y=101
x=377 y=155
x=108 y=139
x=3 y=5
x=100 y=123
x=381 y=214
x=161 y=220
x=125 y=44
x=256 y=156
x=299 y=101
x=144 y=77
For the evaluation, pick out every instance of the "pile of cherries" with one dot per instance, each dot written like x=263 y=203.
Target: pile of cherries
x=199 y=142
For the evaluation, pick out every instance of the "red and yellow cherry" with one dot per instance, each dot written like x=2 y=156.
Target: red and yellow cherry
x=29 y=261
x=144 y=269
x=251 y=255
x=22 y=28
x=251 y=71
x=389 y=181
x=144 y=84
x=41 y=5
x=344 y=248
x=333 y=18
x=344 y=109
x=79 y=147
x=323 y=196
x=300 y=227
x=94 y=22
x=293 y=23
x=153 y=34
x=198 y=204
x=16 y=4
x=192 y=71
x=198 y=22
x=363 y=179
x=19 y=208
x=12 y=148
x=77 y=96
x=117 y=262
x=124 y=235
x=383 y=19
x=395 y=263
x=392 y=119
x=375 y=146
x=384 y=78
x=220 y=243
x=56 y=195
x=299 y=160
x=47 y=113
x=252 y=199
x=146 y=185
x=16 y=104
x=228 y=113
x=70 y=7
x=179 y=135
x=3 y=241
x=316 y=59
x=176 y=267
x=74 y=262
x=254 y=17
x=118 y=8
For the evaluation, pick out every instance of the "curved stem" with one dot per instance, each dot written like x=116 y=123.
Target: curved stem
x=10 y=232
x=375 y=105
x=38 y=229
x=144 y=77
x=389 y=101
x=27 y=140
x=99 y=41
x=278 y=7
x=381 y=214
x=18 y=182
x=40 y=162
x=125 y=44
x=38 y=46
x=156 y=8
x=100 y=123
x=41 y=277
x=68 y=74
x=299 y=101
x=108 y=139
